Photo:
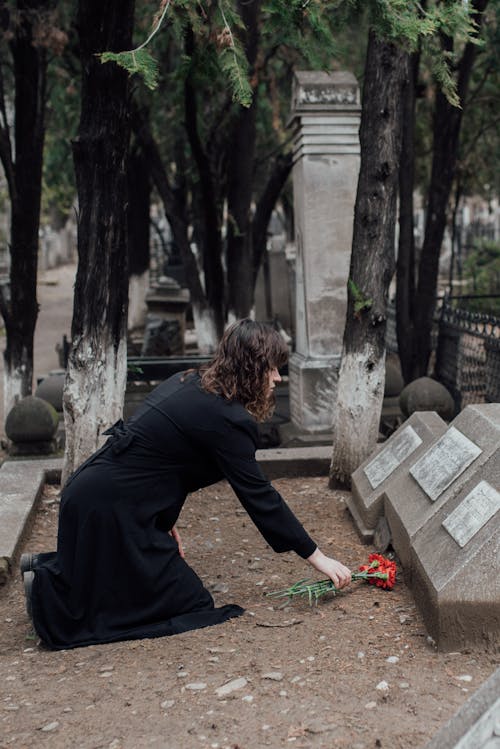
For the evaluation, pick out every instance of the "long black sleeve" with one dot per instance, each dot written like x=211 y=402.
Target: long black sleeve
x=234 y=451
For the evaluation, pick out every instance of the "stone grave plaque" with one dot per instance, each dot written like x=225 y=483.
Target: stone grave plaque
x=390 y=460
x=472 y=513
x=444 y=462
x=391 y=456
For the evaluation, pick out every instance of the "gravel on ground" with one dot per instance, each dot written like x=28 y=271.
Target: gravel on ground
x=356 y=671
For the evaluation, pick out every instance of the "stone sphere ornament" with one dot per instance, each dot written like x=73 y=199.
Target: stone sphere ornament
x=426 y=394
x=394 y=382
x=31 y=426
x=50 y=389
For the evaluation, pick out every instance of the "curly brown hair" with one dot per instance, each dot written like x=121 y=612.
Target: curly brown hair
x=246 y=354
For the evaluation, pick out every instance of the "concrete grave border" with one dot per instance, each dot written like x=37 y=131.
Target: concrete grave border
x=21 y=485
x=475 y=723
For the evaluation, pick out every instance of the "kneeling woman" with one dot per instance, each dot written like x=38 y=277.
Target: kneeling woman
x=119 y=571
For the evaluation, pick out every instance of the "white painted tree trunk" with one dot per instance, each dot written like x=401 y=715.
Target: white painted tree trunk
x=14 y=387
x=360 y=395
x=206 y=329
x=137 y=309
x=94 y=391
x=231 y=316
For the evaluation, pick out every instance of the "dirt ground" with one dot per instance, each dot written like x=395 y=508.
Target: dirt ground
x=358 y=671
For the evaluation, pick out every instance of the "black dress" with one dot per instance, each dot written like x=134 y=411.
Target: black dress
x=117 y=573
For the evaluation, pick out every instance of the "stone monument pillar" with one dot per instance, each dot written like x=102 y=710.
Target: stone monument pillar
x=325 y=115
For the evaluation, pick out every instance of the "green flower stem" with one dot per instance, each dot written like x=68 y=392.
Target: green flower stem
x=315 y=590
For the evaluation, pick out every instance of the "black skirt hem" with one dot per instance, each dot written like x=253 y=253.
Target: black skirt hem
x=174 y=626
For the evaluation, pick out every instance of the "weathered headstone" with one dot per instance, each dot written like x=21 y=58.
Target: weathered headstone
x=442 y=508
x=463 y=451
x=392 y=460
x=455 y=563
x=325 y=116
x=161 y=337
x=167 y=301
x=275 y=282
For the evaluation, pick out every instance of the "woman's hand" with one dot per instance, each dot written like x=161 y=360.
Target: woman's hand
x=338 y=573
x=175 y=535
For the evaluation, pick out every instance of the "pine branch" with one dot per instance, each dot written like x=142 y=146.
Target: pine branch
x=232 y=59
x=233 y=62
x=136 y=61
x=139 y=60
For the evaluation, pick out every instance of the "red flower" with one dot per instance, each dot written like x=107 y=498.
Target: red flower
x=380 y=571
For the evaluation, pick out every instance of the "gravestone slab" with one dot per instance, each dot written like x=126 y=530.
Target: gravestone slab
x=455 y=562
x=392 y=459
x=440 y=473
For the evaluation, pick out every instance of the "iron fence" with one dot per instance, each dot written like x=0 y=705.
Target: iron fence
x=466 y=348
x=468 y=352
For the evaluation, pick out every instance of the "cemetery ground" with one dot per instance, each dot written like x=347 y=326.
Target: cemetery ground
x=356 y=671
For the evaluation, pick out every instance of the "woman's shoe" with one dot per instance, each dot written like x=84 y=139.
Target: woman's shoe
x=28 y=562
x=28 y=578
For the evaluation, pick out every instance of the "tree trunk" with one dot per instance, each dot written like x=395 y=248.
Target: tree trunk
x=446 y=134
x=265 y=206
x=19 y=307
x=240 y=185
x=210 y=238
x=405 y=266
x=362 y=372
x=139 y=190
x=205 y=319
x=97 y=367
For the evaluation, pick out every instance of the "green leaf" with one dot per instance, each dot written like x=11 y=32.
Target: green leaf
x=233 y=64
x=134 y=369
x=135 y=61
x=232 y=58
x=361 y=302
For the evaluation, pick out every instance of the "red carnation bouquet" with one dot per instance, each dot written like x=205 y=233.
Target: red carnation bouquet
x=379 y=571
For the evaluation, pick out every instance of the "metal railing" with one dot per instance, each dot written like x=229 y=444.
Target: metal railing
x=468 y=351
x=466 y=346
